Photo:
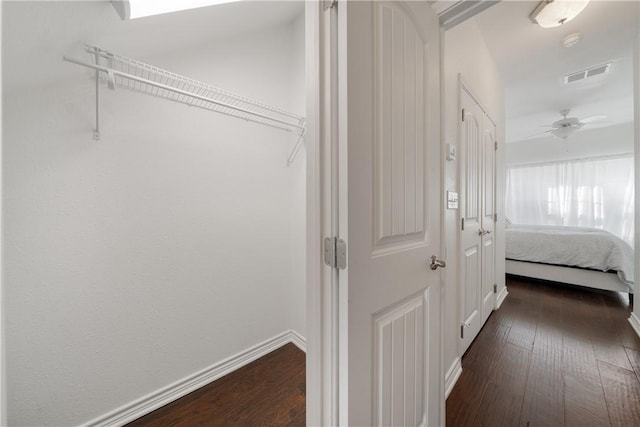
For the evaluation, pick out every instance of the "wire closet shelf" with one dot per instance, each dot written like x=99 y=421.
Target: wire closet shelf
x=127 y=73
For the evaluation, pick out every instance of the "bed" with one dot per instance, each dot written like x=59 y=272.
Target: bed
x=578 y=256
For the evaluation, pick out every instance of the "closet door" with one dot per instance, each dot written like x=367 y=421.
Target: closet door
x=391 y=97
x=477 y=212
x=487 y=229
x=471 y=178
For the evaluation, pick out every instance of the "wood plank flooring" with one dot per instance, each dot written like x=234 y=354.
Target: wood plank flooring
x=267 y=392
x=551 y=356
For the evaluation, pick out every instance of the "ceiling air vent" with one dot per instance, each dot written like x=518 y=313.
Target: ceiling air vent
x=588 y=73
x=574 y=77
x=598 y=70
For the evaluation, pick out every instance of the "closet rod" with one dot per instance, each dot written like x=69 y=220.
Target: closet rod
x=110 y=71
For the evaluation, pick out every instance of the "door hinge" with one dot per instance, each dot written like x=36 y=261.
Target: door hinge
x=462 y=331
x=330 y=4
x=495 y=288
x=335 y=253
x=495 y=217
x=463 y=114
x=496 y=145
x=462 y=225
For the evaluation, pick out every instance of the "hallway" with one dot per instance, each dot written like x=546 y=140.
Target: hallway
x=551 y=356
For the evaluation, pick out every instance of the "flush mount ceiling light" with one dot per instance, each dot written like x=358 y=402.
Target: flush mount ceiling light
x=553 y=13
x=132 y=9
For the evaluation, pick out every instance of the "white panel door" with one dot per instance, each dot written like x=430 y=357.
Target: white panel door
x=471 y=148
x=477 y=212
x=389 y=112
x=488 y=185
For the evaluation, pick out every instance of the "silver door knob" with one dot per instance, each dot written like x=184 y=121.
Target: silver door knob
x=435 y=263
x=483 y=232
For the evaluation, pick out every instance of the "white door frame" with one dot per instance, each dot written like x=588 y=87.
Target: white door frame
x=322 y=389
x=327 y=303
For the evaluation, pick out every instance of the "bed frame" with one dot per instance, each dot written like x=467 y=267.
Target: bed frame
x=572 y=275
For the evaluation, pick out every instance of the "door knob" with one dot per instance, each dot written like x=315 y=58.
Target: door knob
x=435 y=262
x=483 y=232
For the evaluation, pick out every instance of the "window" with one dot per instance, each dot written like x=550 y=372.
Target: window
x=596 y=193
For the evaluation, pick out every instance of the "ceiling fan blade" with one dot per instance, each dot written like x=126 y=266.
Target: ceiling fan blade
x=539 y=134
x=592 y=119
x=599 y=122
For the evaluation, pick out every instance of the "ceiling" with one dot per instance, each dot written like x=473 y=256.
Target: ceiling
x=52 y=29
x=533 y=61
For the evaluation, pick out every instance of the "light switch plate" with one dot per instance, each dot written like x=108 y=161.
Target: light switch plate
x=452 y=200
x=451 y=152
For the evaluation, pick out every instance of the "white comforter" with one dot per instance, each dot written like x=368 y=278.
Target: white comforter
x=572 y=246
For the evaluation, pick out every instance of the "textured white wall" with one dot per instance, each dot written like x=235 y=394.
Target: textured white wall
x=607 y=141
x=138 y=260
x=467 y=54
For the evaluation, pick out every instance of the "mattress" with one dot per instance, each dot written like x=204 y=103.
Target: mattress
x=571 y=246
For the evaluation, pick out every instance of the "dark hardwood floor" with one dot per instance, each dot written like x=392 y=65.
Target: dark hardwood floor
x=552 y=356
x=267 y=392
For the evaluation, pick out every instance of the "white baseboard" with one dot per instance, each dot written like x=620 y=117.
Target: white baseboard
x=501 y=297
x=298 y=340
x=180 y=388
x=452 y=376
x=635 y=323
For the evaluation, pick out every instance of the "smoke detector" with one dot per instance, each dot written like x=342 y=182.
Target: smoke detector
x=571 y=40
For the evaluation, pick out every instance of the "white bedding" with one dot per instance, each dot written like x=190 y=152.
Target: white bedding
x=572 y=246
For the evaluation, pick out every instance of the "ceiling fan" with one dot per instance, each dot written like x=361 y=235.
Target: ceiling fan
x=566 y=126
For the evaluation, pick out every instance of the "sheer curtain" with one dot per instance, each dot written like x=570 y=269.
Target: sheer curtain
x=595 y=193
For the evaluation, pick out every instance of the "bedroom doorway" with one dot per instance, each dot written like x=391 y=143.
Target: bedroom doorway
x=569 y=102
x=524 y=107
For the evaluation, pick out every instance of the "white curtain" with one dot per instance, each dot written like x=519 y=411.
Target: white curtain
x=596 y=193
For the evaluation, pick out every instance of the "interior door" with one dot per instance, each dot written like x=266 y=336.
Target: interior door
x=471 y=148
x=389 y=122
x=487 y=232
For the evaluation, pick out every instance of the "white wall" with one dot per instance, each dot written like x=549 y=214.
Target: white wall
x=164 y=248
x=607 y=141
x=467 y=54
